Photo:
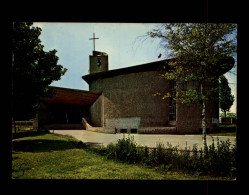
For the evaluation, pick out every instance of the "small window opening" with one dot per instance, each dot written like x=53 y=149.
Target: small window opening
x=99 y=62
x=123 y=130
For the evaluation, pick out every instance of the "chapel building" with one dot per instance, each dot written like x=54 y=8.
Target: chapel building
x=123 y=101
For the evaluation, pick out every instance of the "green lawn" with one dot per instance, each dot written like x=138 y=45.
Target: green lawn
x=51 y=156
x=233 y=134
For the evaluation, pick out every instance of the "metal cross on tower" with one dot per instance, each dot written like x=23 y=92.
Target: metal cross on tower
x=93 y=41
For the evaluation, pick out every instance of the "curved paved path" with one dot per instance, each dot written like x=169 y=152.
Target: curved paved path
x=95 y=138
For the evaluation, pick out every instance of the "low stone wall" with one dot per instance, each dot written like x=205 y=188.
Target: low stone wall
x=123 y=123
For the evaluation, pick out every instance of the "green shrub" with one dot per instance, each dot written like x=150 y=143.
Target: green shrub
x=220 y=160
x=124 y=150
x=111 y=151
x=158 y=156
x=143 y=155
x=228 y=114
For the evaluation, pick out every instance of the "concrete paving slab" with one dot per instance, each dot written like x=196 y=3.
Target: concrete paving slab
x=149 y=140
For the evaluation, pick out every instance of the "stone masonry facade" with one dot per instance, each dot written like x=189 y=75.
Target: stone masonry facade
x=131 y=95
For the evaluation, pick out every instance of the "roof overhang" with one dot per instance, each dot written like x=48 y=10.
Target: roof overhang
x=153 y=66
x=68 y=96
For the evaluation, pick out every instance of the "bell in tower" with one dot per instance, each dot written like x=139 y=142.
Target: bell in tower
x=98 y=62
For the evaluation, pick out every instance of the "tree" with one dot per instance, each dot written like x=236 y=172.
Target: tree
x=33 y=70
x=200 y=52
x=226 y=98
x=228 y=114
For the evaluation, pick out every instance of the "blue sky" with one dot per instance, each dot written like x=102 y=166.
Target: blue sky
x=124 y=43
x=120 y=41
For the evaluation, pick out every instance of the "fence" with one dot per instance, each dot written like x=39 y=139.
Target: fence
x=228 y=121
x=187 y=149
x=23 y=125
x=174 y=149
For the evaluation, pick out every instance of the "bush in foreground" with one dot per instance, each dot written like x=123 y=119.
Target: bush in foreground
x=220 y=160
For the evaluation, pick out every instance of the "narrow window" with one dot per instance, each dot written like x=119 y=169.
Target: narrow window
x=172 y=102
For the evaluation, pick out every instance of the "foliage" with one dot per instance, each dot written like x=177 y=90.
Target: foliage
x=125 y=150
x=30 y=123
x=201 y=52
x=33 y=70
x=220 y=160
x=228 y=114
x=226 y=98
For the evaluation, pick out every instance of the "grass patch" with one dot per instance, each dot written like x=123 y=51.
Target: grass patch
x=233 y=134
x=227 y=128
x=52 y=156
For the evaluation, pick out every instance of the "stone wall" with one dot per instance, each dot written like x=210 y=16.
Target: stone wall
x=189 y=117
x=96 y=112
x=131 y=95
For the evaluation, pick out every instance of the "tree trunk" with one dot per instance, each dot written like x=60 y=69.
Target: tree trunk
x=204 y=132
x=12 y=87
x=14 y=122
x=225 y=120
x=203 y=122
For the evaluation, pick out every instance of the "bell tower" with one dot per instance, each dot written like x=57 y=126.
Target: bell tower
x=99 y=60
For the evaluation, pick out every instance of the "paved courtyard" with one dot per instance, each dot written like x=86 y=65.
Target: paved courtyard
x=96 y=138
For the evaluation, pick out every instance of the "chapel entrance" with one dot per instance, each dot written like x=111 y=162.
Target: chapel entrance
x=65 y=109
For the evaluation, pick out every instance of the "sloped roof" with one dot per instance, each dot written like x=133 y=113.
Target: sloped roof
x=69 y=96
x=144 y=68
x=132 y=69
